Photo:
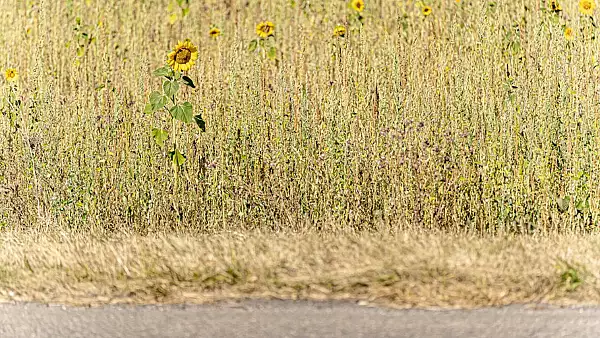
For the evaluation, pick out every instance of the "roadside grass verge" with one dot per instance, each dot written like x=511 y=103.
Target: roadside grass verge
x=400 y=270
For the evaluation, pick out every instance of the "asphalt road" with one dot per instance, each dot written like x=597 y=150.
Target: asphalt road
x=292 y=319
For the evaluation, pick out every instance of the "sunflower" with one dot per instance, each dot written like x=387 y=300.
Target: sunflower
x=11 y=75
x=586 y=7
x=569 y=33
x=358 y=5
x=265 y=29
x=183 y=56
x=214 y=32
x=339 y=31
x=426 y=10
x=554 y=6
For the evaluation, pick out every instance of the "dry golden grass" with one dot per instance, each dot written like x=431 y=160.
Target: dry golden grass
x=406 y=269
x=479 y=116
x=479 y=119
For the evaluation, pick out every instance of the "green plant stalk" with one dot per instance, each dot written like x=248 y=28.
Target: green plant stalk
x=175 y=167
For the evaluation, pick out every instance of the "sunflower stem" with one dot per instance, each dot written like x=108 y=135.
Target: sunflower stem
x=175 y=171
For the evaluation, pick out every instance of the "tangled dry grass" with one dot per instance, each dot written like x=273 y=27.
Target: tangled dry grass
x=402 y=270
x=467 y=118
x=480 y=116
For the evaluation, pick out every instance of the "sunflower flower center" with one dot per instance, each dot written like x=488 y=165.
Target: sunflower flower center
x=266 y=29
x=183 y=56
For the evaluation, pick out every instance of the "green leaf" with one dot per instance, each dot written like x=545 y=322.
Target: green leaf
x=200 y=122
x=272 y=53
x=157 y=100
x=170 y=88
x=516 y=47
x=160 y=136
x=583 y=205
x=177 y=76
x=185 y=12
x=571 y=278
x=155 y=97
x=563 y=203
x=163 y=71
x=188 y=82
x=183 y=112
x=177 y=158
x=148 y=109
x=252 y=46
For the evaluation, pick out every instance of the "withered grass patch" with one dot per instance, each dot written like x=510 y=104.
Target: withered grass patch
x=404 y=270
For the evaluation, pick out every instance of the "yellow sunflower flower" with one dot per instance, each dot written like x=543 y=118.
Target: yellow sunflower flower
x=426 y=10
x=214 y=32
x=358 y=5
x=586 y=7
x=265 y=29
x=11 y=75
x=183 y=56
x=569 y=33
x=554 y=6
x=339 y=31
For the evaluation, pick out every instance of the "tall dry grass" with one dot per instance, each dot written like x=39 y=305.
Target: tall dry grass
x=480 y=117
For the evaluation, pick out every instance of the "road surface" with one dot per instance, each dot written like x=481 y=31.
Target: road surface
x=292 y=319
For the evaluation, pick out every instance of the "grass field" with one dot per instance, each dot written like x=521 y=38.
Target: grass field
x=404 y=270
x=471 y=118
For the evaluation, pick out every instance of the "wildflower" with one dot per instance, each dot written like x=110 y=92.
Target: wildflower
x=554 y=6
x=183 y=56
x=569 y=33
x=339 y=31
x=172 y=18
x=358 y=5
x=214 y=32
x=426 y=10
x=586 y=7
x=11 y=75
x=265 y=29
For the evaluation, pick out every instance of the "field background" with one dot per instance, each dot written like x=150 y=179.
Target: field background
x=480 y=117
x=447 y=160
